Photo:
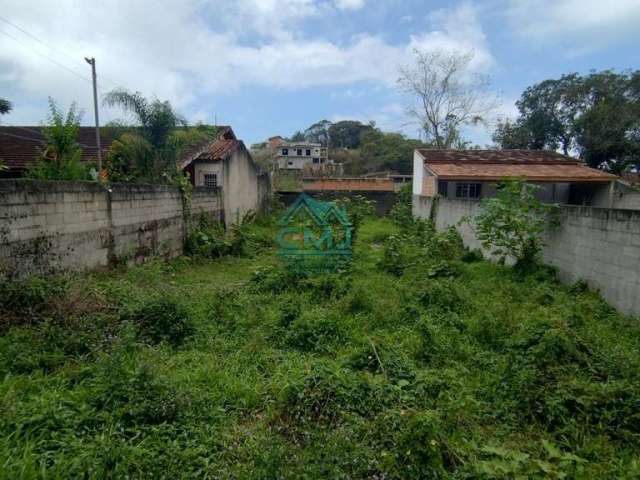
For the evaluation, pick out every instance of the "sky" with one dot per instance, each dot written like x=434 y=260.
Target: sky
x=272 y=67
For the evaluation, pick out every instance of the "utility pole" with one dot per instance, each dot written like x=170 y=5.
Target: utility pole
x=92 y=61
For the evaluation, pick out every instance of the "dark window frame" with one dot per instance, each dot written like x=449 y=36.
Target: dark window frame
x=210 y=180
x=299 y=152
x=285 y=152
x=307 y=152
x=443 y=187
x=468 y=190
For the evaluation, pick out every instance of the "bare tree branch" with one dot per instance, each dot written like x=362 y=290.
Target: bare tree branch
x=447 y=96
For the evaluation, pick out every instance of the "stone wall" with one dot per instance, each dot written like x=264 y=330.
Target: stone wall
x=52 y=226
x=598 y=245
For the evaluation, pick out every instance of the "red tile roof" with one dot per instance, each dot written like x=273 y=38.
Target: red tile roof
x=494 y=165
x=211 y=151
x=20 y=146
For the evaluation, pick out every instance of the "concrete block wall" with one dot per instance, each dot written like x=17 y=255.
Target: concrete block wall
x=598 y=245
x=52 y=226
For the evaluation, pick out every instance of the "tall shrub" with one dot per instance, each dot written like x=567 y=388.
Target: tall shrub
x=60 y=158
x=512 y=223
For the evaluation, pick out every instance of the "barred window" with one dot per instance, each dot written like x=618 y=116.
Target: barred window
x=468 y=190
x=210 y=180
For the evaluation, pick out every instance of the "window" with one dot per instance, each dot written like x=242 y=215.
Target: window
x=299 y=152
x=468 y=190
x=290 y=163
x=285 y=151
x=442 y=188
x=316 y=160
x=308 y=152
x=210 y=180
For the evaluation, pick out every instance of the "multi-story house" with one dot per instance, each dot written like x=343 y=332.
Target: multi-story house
x=301 y=155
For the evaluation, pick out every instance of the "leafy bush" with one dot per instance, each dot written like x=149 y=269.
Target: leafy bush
x=61 y=157
x=512 y=223
x=314 y=331
x=162 y=320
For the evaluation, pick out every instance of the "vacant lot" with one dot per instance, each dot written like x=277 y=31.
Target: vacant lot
x=421 y=362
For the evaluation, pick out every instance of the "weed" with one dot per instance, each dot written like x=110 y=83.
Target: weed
x=162 y=320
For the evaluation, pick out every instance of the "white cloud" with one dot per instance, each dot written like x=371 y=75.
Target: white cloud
x=581 y=25
x=349 y=4
x=189 y=50
x=457 y=29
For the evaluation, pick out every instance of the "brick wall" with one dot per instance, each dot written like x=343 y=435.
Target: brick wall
x=598 y=245
x=348 y=184
x=51 y=226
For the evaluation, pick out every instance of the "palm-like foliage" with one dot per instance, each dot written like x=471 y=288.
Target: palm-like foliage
x=157 y=119
x=5 y=106
x=151 y=150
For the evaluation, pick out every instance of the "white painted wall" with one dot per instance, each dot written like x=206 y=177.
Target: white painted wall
x=418 y=172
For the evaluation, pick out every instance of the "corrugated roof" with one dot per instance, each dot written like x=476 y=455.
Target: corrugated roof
x=495 y=156
x=494 y=165
x=20 y=146
x=533 y=172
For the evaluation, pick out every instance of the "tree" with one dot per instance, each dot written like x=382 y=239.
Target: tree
x=318 y=132
x=393 y=151
x=156 y=118
x=348 y=133
x=150 y=151
x=447 y=96
x=510 y=135
x=511 y=224
x=597 y=115
x=5 y=106
x=297 y=137
x=60 y=159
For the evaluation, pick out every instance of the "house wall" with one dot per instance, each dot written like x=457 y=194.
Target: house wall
x=202 y=168
x=598 y=245
x=52 y=226
x=240 y=188
x=548 y=192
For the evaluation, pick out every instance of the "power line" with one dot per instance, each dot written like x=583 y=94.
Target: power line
x=60 y=52
x=47 y=57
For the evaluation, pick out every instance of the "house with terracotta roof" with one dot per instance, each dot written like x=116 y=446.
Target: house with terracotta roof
x=474 y=174
x=226 y=163
x=20 y=146
x=223 y=162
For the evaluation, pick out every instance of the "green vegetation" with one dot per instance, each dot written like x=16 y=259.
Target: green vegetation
x=420 y=362
x=511 y=224
x=60 y=158
x=5 y=106
x=596 y=114
x=151 y=150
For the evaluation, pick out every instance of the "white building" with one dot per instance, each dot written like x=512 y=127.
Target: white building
x=298 y=156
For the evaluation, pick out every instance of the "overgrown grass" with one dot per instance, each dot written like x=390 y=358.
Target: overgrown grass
x=421 y=362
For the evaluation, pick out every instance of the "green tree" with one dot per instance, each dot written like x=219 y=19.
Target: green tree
x=318 y=132
x=60 y=159
x=598 y=115
x=150 y=150
x=5 y=106
x=393 y=151
x=348 y=133
x=511 y=224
